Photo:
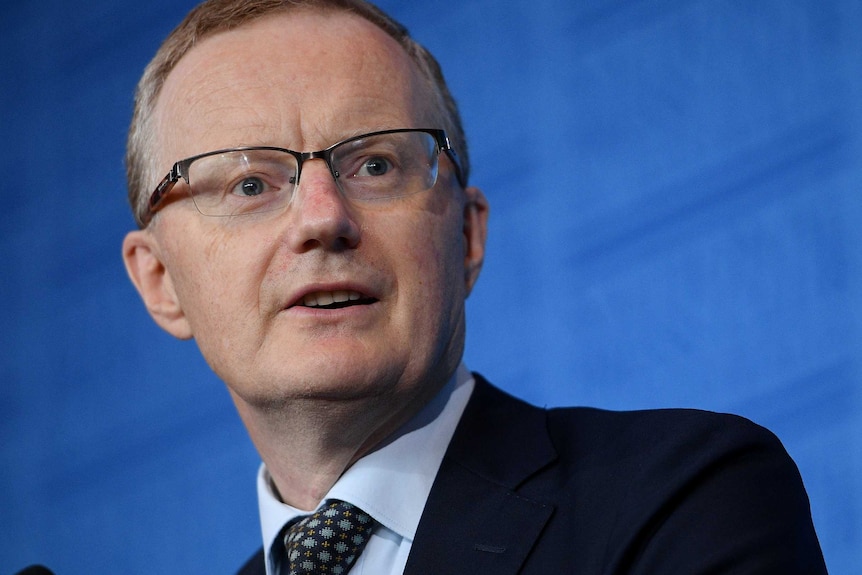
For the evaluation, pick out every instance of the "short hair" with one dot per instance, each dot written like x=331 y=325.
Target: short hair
x=214 y=16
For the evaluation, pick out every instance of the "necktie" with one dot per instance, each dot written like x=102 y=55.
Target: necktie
x=328 y=541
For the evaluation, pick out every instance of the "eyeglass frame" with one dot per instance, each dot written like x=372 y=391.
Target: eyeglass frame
x=180 y=169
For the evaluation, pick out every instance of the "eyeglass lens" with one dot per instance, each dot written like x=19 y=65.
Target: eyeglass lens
x=369 y=168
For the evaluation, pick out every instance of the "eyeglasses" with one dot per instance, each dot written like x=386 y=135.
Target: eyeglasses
x=249 y=180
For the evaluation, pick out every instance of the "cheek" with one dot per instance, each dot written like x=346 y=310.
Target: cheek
x=436 y=256
x=217 y=282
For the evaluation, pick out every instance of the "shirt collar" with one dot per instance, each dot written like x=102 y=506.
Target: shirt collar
x=391 y=483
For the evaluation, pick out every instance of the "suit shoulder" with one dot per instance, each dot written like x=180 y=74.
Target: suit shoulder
x=652 y=477
x=660 y=440
x=666 y=445
x=657 y=428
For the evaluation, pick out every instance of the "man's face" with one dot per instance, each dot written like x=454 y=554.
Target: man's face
x=304 y=81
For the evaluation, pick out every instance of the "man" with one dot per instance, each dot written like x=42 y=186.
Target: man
x=327 y=290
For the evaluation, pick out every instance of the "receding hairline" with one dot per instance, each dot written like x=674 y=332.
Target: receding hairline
x=211 y=26
x=217 y=49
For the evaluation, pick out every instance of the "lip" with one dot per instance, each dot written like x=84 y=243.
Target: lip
x=295 y=301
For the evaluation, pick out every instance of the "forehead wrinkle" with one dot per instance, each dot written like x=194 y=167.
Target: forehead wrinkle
x=219 y=118
x=211 y=85
x=215 y=84
x=401 y=102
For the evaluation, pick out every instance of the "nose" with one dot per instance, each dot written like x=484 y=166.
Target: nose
x=319 y=216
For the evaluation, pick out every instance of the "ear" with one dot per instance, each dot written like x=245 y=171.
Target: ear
x=153 y=281
x=475 y=233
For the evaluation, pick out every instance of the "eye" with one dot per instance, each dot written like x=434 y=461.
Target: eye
x=249 y=187
x=374 y=167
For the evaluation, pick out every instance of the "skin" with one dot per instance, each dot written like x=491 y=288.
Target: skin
x=333 y=382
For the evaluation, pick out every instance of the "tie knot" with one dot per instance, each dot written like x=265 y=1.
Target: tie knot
x=327 y=541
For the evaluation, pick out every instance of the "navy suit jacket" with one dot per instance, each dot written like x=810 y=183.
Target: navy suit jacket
x=578 y=490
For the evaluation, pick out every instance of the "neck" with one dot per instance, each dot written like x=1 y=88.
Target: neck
x=308 y=444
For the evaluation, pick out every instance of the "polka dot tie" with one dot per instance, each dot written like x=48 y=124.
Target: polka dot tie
x=328 y=541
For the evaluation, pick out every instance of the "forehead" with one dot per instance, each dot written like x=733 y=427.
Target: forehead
x=301 y=79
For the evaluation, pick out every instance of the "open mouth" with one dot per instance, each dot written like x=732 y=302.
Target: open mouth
x=335 y=299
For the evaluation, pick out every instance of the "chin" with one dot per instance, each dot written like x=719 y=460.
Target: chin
x=328 y=381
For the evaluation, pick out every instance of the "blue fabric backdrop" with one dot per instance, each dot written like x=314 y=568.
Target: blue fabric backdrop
x=675 y=222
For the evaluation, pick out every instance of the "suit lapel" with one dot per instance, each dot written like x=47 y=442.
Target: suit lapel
x=474 y=520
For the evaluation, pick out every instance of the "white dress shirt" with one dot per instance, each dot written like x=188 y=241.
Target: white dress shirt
x=391 y=484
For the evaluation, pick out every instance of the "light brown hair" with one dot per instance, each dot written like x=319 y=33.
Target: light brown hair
x=214 y=16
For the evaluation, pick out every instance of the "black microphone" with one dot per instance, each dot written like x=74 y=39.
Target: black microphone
x=35 y=570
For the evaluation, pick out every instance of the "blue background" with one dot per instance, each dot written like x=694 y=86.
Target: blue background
x=676 y=210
